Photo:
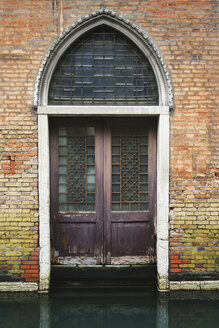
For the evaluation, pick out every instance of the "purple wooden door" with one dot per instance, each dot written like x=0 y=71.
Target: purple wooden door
x=103 y=175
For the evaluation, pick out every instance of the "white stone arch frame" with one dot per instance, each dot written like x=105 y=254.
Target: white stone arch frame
x=44 y=111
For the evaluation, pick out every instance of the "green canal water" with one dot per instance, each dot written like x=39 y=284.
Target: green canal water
x=109 y=309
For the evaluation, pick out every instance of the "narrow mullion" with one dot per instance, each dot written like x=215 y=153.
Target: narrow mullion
x=139 y=172
x=107 y=191
x=85 y=173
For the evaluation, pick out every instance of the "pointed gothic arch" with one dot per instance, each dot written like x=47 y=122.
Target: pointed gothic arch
x=161 y=110
x=109 y=18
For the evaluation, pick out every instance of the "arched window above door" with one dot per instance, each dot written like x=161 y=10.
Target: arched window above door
x=103 y=66
x=103 y=59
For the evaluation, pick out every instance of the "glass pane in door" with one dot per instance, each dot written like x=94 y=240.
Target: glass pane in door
x=76 y=169
x=129 y=169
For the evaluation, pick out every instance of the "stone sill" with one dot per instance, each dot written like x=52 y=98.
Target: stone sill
x=18 y=287
x=194 y=285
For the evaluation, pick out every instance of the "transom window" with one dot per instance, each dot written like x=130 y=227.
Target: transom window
x=103 y=67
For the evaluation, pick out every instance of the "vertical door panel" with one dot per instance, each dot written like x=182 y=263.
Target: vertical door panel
x=131 y=146
x=129 y=238
x=76 y=192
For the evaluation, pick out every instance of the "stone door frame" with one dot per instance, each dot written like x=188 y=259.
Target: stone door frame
x=45 y=111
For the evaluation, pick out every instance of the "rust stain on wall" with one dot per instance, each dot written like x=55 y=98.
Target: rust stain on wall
x=55 y=4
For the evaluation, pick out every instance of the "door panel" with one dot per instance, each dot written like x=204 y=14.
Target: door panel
x=103 y=175
x=131 y=153
x=129 y=238
x=73 y=237
x=76 y=192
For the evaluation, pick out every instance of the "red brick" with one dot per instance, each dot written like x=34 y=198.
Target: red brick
x=25 y=267
x=30 y=262
x=174 y=265
x=34 y=267
x=175 y=270
x=173 y=257
x=29 y=275
x=34 y=258
x=176 y=261
x=31 y=271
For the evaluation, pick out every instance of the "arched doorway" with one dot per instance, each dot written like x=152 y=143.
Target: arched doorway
x=103 y=167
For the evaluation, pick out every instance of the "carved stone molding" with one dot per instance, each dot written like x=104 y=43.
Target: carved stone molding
x=120 y=20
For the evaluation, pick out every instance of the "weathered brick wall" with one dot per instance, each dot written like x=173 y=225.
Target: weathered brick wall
x=194 y=161
x=185 y=32
x=22 y=48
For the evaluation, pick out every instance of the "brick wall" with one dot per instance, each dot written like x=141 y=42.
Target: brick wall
x=185 y=32
x=194 y=161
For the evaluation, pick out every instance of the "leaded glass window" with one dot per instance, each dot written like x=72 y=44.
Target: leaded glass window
x=76 y=173
x=103 y=67
x=129 y=169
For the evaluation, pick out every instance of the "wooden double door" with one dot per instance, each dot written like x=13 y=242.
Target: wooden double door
x=103 y=190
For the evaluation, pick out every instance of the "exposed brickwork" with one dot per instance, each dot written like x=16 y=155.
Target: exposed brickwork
x=194 y=162
x=30 y=266
x=185 y=32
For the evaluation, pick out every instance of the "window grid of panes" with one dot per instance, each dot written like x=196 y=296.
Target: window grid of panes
x=76 y=172
x=103 y=66
x=129 y=170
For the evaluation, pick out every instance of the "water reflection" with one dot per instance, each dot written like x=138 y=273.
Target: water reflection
x=105 y=310
x=127 y=310
x=19 y=310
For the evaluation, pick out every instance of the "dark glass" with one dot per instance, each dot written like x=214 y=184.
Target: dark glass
x=116 y=169
x=129 y=168
x=103 y=57
x=115 y=188
x=76 y=171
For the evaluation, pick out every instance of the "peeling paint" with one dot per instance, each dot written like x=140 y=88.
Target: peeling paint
x=132 y=260
x=118 y=260
x=77 y=260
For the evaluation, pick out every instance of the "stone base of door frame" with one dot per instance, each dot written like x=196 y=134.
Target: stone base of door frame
x=173 y=285
x=194 y=285
x=18 y=287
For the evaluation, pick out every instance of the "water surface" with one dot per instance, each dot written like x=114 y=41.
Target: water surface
x=106 y=309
